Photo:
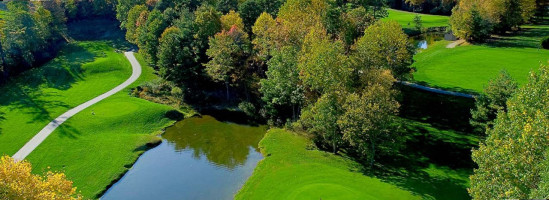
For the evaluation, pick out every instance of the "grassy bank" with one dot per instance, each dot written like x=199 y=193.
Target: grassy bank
x=406 y=19
x=291 y=171
x=470 y=67
x=82 y=71
x=97 y=145
x=99 y=148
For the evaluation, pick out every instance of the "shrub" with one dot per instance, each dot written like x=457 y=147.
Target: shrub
x=545 y=42
x=247 y=108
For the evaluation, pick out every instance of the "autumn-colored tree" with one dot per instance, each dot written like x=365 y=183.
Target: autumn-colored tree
x=123 y=7
x=176 y=60
x=148 y=38
x=18 y=183
x=207 y=23
x=134 y=19
x=231 y=19
x=228 y=52
x=384 y=46
x=511 y=159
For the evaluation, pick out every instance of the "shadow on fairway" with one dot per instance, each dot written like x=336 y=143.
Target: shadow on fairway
x=26 y=93
x=527 y=37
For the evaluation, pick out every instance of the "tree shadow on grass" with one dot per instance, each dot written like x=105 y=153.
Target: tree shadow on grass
x=434 y=164
x=100 y=29
x=68 y=131
x=25 y=93
x=527 y=37
x=441 y=111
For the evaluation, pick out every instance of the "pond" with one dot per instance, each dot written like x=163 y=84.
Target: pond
x=199 y=158
x=424 y=40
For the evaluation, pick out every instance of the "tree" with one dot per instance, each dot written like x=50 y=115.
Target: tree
x=123 y=7
x=207 y=23
x=322 y=119
x=135 y=15
x=176 y=60
x=228 y=52
x=492 y=100
x=510 y=160
x=354 y=22
x=384 y=46
x=231 y=19
x=18 y=183
x=418 y=23
x=148 y=39
x=20 y=37
x=323 y=64
x=265 y=33
x=43 y=23
x=368 y=119
x=249 y=11
x=469 y=23
x=282 y=89
x=225 y=6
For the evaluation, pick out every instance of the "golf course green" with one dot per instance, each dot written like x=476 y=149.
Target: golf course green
x=406 y=19
x=292 y=170
x=469 y=67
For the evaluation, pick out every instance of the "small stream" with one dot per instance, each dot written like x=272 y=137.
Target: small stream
x=199 y=158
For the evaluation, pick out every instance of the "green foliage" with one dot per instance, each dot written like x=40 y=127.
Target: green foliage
x=282 y=86
x=228 y=52
x=225 y=6
x=469 y=24
x=384 y=46
x=207 y=23
x=135 y=16
x=510 y=161
x=323 y=65
x=248 y=108
x=418 y=23
x=492 y=101
x=20 y=37
x=148 y=38
x=176 y=60
x=231 y=19
x=321 y=120
x=123 y=7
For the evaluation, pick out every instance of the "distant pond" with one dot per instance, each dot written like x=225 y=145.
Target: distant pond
x=199 y=158
x=423 y=41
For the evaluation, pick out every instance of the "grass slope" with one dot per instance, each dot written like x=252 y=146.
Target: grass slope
x=470 y=67
x=92 y=149
x=98 y=149
x=290 y=171
x=406 y=19
x=81 y=72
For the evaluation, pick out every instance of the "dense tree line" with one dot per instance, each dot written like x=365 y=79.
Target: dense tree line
x=475 y=20
x=440 y=7
x=31 y=32
x=327 y=65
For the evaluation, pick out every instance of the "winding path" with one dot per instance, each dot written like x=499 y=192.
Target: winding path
x=46 y=131
x=435 y=90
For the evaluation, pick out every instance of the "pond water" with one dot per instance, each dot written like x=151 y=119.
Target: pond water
x=423 y=41
x=199 y=158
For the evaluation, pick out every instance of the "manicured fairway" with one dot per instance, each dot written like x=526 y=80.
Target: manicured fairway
x=97 y=145
x=406 y=19
x=470 y=67
x=98 y=148
x=290 y=171
x=82 y=71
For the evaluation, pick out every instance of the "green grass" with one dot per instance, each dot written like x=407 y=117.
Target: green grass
x=93 y=150
x=470 y=67
x=290 y=171
x=406 y=19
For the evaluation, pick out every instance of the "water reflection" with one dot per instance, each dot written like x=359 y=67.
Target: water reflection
x=223 y=144
x=200 y=158
x=424 y=40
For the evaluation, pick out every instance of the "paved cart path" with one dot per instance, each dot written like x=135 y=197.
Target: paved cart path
x=46 y=131
x=435 y=90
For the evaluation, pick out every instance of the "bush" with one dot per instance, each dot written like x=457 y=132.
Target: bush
x=545 y=42
x=247 y=108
